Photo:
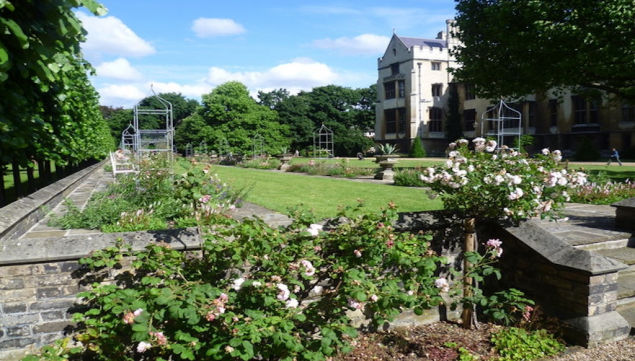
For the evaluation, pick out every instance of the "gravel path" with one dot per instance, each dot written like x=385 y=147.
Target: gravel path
x=617 y=351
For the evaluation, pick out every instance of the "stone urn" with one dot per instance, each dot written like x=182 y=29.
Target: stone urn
x=385 y=171
x=384 y=157
x=285 y=160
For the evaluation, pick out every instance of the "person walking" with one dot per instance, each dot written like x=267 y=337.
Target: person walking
x=616 y=155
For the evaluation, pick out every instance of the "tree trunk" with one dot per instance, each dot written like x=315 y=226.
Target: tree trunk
x=17 y=181
x=468 y=316
x=31 y=179
x=3 y=193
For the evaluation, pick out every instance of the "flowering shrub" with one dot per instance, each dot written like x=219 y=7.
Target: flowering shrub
x=341 y=169
x=490 y=183
x=153 y=199
x=255 y=292
x=602 y=190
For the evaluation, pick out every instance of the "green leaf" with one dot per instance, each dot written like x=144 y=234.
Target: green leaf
x=94 y=7
x=17 y=31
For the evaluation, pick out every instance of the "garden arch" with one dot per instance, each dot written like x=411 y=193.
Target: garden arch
x=258 y=145
x=128 y=138
x=155 y=141
x=323 y=146
x=502 y=121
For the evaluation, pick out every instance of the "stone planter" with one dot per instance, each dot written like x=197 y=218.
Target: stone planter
x=385 y=157
x=284 y=162
x=385 y=171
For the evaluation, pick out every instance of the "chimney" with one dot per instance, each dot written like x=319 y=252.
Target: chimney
x=442 y=35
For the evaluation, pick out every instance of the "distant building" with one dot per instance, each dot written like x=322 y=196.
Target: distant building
x=413 y=89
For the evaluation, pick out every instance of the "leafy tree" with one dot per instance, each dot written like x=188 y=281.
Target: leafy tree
x=181 y=108
x=230 y=113
x=118 y=119
x=453 y=129
x=294 y=112
x=273 y=98
x=48 y=108
x=516 y=47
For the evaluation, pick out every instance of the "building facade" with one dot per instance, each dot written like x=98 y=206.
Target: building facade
x=414 y=88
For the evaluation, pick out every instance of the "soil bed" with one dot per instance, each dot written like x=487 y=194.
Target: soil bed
x=440 y=342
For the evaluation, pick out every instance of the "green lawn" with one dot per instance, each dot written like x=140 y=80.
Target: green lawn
x=613 y=171
x=368 y=162
x=279 y=191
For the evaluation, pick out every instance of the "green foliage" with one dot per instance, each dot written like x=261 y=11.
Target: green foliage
x=229 y=114
x=417 y=150
x=387 y=149
x=581 y=43
x=586 y=151
x=260 y=163
x=341 y=169
x=517 y=344
x=255 y=291
x=525 y=140
x=454 y=126
x=153 y=199
x=409 y=177
x=508 y=307
x=49 y=109
x=603 y=190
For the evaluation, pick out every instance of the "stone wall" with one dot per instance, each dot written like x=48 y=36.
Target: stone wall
x=577 y=286
x=38 y=286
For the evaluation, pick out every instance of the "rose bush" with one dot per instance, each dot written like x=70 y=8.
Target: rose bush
x=255 y=291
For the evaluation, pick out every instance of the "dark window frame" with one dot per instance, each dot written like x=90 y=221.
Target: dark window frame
x=435 y=124
x=437 y=89
x=389 y=90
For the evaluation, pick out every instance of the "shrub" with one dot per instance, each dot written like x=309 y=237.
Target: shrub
x=516 y=344
x=260 y=163
x=255 y=291
x=603 y=190
x=417 y=150
x=409 y=177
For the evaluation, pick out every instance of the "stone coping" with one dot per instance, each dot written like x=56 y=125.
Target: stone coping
x=20 y=215
x=562 y=253
x=75 y=247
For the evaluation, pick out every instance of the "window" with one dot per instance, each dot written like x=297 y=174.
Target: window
x=553 y=112
x=394 y=69
x=395 y=120
x=579 y=109
x=513 y=122
x=436 y=119
x=593 y=111
x=531 y=114
x=469 y=92
x=436 y=65
x=469 y=118
x=628 y=112
x=389 y=89
x=401 y=86
x=437 y=90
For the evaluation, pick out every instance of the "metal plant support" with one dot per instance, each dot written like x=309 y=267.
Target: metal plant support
x=223 y=147
x=188 y=150
x=155 y=141
x=202 y=148
x=502 y=121
x=128 y=139
x=258 y=146
x=323 y=143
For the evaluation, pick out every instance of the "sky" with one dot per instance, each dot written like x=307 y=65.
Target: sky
x=192 y=46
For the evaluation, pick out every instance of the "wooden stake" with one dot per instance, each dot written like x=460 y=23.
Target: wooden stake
x=467 y=316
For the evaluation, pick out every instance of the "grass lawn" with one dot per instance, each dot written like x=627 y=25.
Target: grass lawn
x=369 y=162
x=613 y=171
x=279 y=191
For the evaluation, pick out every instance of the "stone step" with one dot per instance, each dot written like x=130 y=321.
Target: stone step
x=598 y=245
x=625 y=255
x=628 y=312
x=626 y=288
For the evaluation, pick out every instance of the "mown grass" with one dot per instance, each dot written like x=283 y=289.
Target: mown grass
x=613 y=171
x=369 y=162
x=324 y=196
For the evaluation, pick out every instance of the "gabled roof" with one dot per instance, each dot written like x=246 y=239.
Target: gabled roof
x=410 y=42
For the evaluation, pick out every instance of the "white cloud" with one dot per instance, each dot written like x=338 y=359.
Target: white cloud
x=208 y=27
x=361 y=44
x=188 y=90
x=121 y=95
x=110 y=36
x=119 y=68
x=300 y=73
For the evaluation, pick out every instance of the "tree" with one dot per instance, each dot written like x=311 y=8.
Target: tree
x=48 y=108
x=513 y=48
x=453 y=129
x=417 y=150
x=232 y=114
x=118 y=119
x=273 y=98
x=181 y=108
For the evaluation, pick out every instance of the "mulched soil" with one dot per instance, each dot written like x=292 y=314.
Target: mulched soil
x=428 y=342
x=434 y=343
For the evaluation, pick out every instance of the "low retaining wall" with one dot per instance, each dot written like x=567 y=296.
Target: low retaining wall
x=577 y=286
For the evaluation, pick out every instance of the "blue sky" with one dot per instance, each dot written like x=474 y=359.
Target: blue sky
x=191 y=46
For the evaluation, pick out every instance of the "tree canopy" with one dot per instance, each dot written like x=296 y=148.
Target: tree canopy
x=48 y=109
x=516 y=47
x=229 y=113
